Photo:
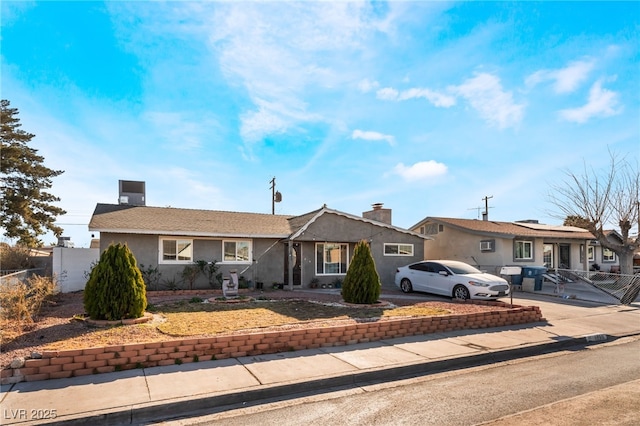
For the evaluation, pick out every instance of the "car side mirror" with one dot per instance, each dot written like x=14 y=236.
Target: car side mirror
x=445 y=273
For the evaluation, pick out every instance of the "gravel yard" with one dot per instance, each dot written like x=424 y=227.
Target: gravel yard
x=58 y=326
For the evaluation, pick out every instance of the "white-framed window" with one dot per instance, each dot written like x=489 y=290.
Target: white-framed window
x=398 y=249
x=236 y=251
x=523 y=250
x=175 y=250
x=608 y=255
x=547 y=255
x=332 y=258
x=591 y=253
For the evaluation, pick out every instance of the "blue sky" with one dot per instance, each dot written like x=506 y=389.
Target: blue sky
x=426 y=107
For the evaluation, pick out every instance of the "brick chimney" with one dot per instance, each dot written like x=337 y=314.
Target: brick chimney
x=378 y=214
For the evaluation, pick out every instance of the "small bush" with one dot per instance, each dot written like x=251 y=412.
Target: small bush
x=22 y=301
x=15 y=258
x=115 y=289
x=362 y=283
x=151 y=276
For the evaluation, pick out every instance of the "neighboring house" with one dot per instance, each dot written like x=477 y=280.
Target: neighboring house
x=490 y=245
x=293 y=250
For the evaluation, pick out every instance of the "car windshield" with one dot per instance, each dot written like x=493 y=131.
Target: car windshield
x=461 y=268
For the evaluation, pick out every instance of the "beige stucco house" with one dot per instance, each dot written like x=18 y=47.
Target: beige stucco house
x=491 y=245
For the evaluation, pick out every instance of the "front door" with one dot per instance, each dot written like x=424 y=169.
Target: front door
x=295 y=257
x=564 y=256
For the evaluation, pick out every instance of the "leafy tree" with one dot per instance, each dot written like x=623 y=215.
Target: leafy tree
x=26 y=211
x=604 y=199
x=362 y=283
x=115 y=289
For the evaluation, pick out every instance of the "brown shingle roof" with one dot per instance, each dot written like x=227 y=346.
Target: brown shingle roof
x=175 y=221
x=512 y=229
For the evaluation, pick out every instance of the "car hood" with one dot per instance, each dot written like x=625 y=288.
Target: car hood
x=485 y=278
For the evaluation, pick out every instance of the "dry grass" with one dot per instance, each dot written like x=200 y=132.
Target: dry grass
x=188 y=319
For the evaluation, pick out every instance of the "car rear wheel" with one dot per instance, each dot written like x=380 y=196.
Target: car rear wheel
x=461 y=292
x=405 y=286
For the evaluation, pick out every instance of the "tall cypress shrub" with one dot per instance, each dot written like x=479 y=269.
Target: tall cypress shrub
x=115 y=289
x=362 y=283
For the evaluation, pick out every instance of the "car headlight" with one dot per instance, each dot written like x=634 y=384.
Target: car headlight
x=479 y=284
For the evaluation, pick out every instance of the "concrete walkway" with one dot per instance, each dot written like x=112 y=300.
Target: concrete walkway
x=142 y=395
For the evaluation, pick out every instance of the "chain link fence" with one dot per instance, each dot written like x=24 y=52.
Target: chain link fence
x=625 y=288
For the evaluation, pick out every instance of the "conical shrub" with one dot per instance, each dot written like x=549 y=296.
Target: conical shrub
x=115 y=289
x=362 y=283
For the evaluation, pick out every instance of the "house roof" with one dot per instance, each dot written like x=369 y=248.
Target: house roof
x=306 y=220
x=511 y=229
x=128 y=219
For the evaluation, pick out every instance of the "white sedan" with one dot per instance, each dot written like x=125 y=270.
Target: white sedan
x=450 y=278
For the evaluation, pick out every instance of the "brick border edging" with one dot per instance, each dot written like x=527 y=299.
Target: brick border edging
x=82 y=362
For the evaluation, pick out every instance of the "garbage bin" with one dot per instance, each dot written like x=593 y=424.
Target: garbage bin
x=536 y=273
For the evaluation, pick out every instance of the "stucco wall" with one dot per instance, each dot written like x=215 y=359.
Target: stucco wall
x=70 y=266
x=267 y=265
x=340 y=229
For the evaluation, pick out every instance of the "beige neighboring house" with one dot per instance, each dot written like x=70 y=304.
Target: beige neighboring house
x=490 y=245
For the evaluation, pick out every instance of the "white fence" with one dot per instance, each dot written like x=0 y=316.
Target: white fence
x=71 y=266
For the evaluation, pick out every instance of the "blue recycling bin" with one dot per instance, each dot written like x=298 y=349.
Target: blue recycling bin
x=536 y=273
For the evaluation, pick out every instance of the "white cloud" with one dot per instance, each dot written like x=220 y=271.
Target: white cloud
x=366 y=85
x=435 y=98
x=373 y=136
x=485 y=94
x=566 y=79
x=420 y=171
x=182 y=131
x=601 y=103
x=387 y=94
x=278 y=51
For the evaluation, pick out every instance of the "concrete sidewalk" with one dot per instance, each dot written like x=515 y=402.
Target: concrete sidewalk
x=142 y=395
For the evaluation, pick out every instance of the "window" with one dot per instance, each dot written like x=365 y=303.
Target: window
x=176 y=250
x=236 y=251
x=590 y=253
x=331 y=258
x=397 y=249
x=523 y=250
x=608 y=255
x=547 y=255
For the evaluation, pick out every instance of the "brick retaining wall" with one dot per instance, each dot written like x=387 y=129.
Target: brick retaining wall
x=81 y=362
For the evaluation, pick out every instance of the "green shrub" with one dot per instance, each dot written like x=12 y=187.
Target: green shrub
x=151 y=276
x=115 y=289
x=361 y=284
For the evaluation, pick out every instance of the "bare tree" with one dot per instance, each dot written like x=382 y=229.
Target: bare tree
x=606 y=199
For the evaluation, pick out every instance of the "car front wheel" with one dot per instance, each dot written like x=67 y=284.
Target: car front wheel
x=461 y=292
x=405 y=286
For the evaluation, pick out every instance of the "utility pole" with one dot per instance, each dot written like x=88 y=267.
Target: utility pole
x=276 y=196
x=485 y=215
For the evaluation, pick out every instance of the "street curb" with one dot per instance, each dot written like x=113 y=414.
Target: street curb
x=172 y=409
